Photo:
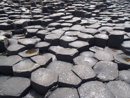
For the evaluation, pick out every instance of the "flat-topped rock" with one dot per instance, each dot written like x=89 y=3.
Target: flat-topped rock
x=43 y=79
x=125 y=47
x=24 y=68
x=124 y=75
x=116 y=38
x=53 y=39
x=42 y=46
x=87 y=53
x=94 y=89
x=15 y=49
x=101 y=40
x=15 y=87
x=42 y=60
x=79 y=45
x=65 y=40
x=84 y=72
x=28 y=42
x=64 y=54
x=106 y=70
x=103 y=56
x=119 y=89
x=6 y=63
x=64 y=92
x=123 y=60
x=84 y=60
x=68 y=79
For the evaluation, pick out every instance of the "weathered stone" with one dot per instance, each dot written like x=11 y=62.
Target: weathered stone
x=43 y=79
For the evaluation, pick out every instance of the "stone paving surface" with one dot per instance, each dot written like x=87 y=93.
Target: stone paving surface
x=64 y=49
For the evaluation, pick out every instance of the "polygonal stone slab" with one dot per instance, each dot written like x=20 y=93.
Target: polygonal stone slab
x=64 y=93
x=87 y=53
x=6 y=63
x=84 y=60
x=53 y=39
x=95 y=48
x=15 y=87
x=101 y=40
x=15 y=49
x=3 y=79
x=123 y=61
x=72 y=33
x=29 y=53
x=42 y=60
x=125 y=47
x=119 y=89
x=103 y=56
x=84 y=72
x=68 y=79
x=28 y=42
x=43 y=79
x=42 y=33
x=42 y=46
x=106 y=70
x=60 y=66
x=124 y=75
x=24 y=68
x=64 y=54
x=65 y=40
x=94 y=89
x=87 y=37
x=112 y=50
x=116 y=39
x=80 y=45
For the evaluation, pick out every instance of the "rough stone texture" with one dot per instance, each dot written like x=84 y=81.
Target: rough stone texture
x=9 y=90
x=103 y=56
x=64 y=93
x=106 y=70
x=24 y=68
x=94 y=89
x=119 y=89
x=84 y=60
x=64 y=54
x=124 y=75
x=43 y=79
x=6 y=63
x=84 y=72
x=68 y=79
x=42 y=60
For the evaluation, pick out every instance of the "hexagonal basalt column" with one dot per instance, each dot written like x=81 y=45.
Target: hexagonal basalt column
x=43 y=79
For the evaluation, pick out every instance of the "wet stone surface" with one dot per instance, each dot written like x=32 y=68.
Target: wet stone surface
x=66 y=48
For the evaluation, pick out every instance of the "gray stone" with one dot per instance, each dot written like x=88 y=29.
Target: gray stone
x=24 y=68
x=103 y=56
x=84 y=72
x=64 y=92
x=43 y=79
x=42 y=60
x=106 y=70
x=94 y=89
x=124 y=75
x=84 y=60
x=15 y=87
x=119 y=89
x=6 y=63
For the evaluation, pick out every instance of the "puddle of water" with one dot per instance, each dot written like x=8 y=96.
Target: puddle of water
x=127 y=59
x=30 y=51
